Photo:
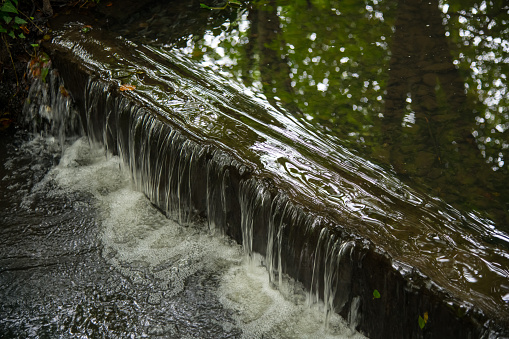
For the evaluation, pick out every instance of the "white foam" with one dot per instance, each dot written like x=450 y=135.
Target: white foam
x=139 y=240
x=135 y=232
x=261 y=310
x=154 y=251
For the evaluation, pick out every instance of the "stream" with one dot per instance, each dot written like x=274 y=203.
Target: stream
x=84 y=254
x=257 y=169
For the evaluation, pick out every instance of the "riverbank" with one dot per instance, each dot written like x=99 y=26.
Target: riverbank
x=20 y=47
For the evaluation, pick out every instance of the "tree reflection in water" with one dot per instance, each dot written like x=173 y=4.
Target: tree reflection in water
x=419 y=86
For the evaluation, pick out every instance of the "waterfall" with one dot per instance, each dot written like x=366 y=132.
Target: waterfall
x=327 y=275
x=254 y=201
x=190 y=177
x=49 y=109
x=184 y=179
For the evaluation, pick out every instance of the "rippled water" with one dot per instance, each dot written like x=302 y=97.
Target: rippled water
x=82 y=254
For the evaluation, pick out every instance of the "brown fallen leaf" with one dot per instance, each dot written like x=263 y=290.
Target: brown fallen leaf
x=24 y=29
x=5 y=123
x=127 y=87
x=63 y=91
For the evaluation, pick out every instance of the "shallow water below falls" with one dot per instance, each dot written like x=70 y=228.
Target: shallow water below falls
x=83 y=254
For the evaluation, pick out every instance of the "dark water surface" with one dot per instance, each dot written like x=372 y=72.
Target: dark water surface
x=421 y=87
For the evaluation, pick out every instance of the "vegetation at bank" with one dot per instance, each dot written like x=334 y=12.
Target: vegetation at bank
x=23 y=26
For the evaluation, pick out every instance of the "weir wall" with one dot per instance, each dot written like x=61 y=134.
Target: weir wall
x=188 y=177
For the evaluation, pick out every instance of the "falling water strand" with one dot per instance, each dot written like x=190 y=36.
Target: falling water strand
x=217 y=184
x=49 y=109
x=273 y=255
x=314 y=288
x=270 y=244
x=182 y=166
x=91 y=103
x=170 y=199
x=213 y=169
x=155 y=185
x=279 y=257
x=194 y=156
x=330 y=261
x=332 y=273
x=250 y=200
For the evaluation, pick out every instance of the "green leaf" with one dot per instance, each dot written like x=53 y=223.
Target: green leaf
x=11 y=34
x=3 y=30
x=34 y=45
x=9 y=7
x=376 y=294
x=44 y=57
x=422 y=323
x=15 y=2
x=7 y=19
x=235 y=2
x=44 y=73
x=22 y=36
x=205 y=6
x=19 y=21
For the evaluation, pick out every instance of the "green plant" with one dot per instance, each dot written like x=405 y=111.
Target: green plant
x=228 y=3
x=11 y=21
x=376 y=294
x=13 y=25
x=39 y=65
x=423 y=320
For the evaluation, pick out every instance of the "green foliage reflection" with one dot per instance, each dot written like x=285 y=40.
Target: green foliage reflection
x=418 y=86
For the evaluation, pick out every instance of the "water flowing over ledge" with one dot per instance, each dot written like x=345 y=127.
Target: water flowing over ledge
x=200 y=147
